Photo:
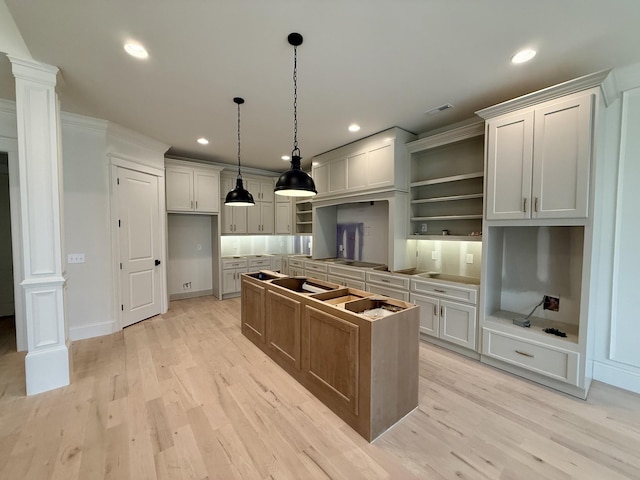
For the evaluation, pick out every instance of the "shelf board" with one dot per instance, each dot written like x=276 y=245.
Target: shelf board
x=453 y=178
x=304 y=211
x=450 y=198
x=535 y=332
x=465 y=238
x=446 y=217
x=304 y=223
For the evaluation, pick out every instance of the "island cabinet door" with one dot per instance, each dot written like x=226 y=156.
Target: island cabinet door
x=331 y=359
x=253 y=306
x=283 y=329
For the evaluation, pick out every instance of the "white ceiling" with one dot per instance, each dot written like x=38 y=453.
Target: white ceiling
x=379 y=63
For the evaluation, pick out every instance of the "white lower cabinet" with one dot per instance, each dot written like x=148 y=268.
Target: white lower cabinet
x=443 y=318
x=394 y=286
x=232 y=270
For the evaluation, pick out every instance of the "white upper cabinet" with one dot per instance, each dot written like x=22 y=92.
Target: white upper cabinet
x=373 y=164
x=255 y=220
x=539 y=160
x=284 y=217
x=192 y=189
x=261 y=189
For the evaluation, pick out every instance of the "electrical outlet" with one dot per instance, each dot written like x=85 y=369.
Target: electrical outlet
x=434 y=255
x=551 y=302
x=186 y=286
x=75 y=258
x=469 y=257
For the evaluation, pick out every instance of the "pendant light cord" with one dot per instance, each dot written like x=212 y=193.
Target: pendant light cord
x=295 y=103
x=239 y=174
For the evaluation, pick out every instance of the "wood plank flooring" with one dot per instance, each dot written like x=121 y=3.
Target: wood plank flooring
x=186 y=396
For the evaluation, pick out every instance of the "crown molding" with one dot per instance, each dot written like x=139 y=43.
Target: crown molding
x=7 y=106
x=572 y=86
x=130 y=136
x=454 y=135
x=80 y=121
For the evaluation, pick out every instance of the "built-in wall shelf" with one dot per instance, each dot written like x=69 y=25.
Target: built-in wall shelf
x=447 y=183
x=446 y=217
x=463 y=238
x=303 y=217
x=449 y=179
x=504 y=319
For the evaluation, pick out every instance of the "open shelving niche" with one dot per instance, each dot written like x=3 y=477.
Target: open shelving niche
x=525 y=263
x=447 y=184
x=304 y=217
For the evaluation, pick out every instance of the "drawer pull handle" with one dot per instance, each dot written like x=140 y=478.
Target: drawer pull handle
x=385 y=281
x=524 y=354
x=435 y=311
x=439 y=291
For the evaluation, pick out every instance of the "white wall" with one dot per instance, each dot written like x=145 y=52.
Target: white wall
x=374 y=220
x=90 y=309
x=11 y=40
x=189 y=256
x=451 y=257
x=617 y=334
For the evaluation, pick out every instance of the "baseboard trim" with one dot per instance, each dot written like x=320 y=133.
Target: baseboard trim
x=183 y=296
x=93 y=330
x=617 y=376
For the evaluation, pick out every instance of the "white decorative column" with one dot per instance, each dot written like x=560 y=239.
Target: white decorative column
x=47 y=363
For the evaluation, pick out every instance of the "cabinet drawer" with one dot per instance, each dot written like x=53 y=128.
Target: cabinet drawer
x=317 y=275
x=389 y=292
x=469 y=295
x=354 y=273
x=233 y=263
x=397 y=281
x=315 y=267
x=260 y=262
x=346 y=282
x=296 y=263
x=540 y=358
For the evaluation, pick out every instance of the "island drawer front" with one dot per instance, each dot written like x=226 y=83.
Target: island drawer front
x=260 y=262
x=388 y=280
x=296 y=263
x=315 y=267
x=540 y=358
x=233 y=263
x=355 y=273
x=469 y=295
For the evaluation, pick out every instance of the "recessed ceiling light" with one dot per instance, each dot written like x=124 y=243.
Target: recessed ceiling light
x=203 y=141
x=136 y=50
x=354 y=128
x=523 y=56
x=285 y=158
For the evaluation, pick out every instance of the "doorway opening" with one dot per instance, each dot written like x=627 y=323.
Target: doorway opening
x=7 y=305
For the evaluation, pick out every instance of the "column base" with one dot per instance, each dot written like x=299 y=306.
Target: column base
x=47 y=369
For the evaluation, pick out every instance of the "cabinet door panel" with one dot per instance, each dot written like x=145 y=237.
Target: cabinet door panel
x=266 y=218
x=509 y=163
x=266 y=192
x=283 y=218
x=179 y=189
x=338 y=176
x=458 y=323
x=321 y=178
x=380 y=166
x=357 y=171
x=253 y=305
x=429 y=313
x=283 y=329
x=332 y=357
x=229 y=281
x=562 y=158
x=207 y=192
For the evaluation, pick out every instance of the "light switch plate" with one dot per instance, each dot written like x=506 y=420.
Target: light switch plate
x=434 y=255
x=75 y=258
x=469 y=257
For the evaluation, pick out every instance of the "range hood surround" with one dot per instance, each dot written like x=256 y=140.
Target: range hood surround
x=325 y=220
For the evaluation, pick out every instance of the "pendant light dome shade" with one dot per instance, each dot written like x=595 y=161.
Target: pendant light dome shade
x=239 y=196
x=295 y=182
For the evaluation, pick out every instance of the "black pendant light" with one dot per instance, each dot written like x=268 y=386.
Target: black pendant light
x=239 y=197
x=295 y=182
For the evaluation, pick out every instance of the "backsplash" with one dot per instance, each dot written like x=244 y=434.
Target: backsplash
x=450 y=257
x=263 y=244
x=362 y=231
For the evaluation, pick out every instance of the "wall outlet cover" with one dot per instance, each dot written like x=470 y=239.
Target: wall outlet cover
x=551 y=303
x=469 y=257
x=434 y=255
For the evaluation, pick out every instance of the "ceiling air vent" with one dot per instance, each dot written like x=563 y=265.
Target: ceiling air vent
x=439 y=109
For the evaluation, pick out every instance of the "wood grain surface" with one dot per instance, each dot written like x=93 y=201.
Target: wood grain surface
x=186 y=396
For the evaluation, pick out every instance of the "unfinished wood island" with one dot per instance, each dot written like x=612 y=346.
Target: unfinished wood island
x=357 y=352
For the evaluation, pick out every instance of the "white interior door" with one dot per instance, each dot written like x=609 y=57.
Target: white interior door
x=140 y=248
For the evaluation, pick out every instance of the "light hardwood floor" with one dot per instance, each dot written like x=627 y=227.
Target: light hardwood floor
x=186 y=396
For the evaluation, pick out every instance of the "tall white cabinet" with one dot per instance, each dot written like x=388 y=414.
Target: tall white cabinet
x=191 y=188
x=538 y=233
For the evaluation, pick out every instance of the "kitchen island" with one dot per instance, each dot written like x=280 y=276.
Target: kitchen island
x=355 y=351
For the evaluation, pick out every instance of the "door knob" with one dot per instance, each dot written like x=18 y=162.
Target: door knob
x=157 y=262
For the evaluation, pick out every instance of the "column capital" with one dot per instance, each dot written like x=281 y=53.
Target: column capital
x=34 y=71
